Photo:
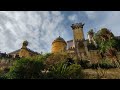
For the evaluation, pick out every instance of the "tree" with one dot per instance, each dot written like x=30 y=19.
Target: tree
x=91 y=32
x=103 y=35
x=26 y=68
x=105 y=39
x=107 y=43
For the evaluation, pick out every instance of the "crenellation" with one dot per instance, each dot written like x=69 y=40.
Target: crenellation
x=77 y=25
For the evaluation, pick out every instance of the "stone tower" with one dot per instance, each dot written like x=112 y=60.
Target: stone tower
x=78 y=31
x=78 y=39
x=59 y=45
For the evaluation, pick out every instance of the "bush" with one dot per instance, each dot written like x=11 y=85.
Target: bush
x=63 y=71
x=103 y=65
x=54 y=59
x=26 y=68
x=85 y=64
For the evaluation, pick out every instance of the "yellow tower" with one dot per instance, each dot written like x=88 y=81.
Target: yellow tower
x=78 y=39
x=59 y=45
x=78 y=31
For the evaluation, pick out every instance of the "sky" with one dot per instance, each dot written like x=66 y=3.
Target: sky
x=40 y=28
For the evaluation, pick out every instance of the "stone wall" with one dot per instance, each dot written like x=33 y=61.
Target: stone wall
x=93 y=55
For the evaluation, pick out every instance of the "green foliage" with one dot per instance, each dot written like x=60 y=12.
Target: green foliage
x=34 y=68
x=43 y=56
x=104 y=64
x=117 y=44
x=54 y=59
x=85 y=64
x=3 y=72
x=26 y=68
x=91 y=32
x=63 y=71
x=106 y=42
x=105 y=45
x=103 y=35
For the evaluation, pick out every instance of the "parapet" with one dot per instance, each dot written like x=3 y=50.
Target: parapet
x=77 y=25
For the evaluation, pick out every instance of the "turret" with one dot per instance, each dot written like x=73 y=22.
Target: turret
x=78 y=31
x=59 y=45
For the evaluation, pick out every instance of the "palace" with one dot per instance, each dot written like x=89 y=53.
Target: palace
x=83 y=49
x=78 y=47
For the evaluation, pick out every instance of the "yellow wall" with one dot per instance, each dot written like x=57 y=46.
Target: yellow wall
x=25 y=53
x=58 y=47
x=78 y=33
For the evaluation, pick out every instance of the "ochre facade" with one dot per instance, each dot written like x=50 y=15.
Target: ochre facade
x=59 y=45
x=78 y=31
x=24 y=51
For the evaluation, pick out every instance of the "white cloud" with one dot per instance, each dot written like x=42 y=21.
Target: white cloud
x=40 y=28
x=108 y=19
x=73 y=17
x=91 y=14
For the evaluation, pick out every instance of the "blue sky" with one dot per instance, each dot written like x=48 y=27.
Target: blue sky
x=40 y=28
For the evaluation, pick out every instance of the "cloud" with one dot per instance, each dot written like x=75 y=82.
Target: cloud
x=91 y=14
x=108 y=19
x=112 y=22
x=73 y=17
x=40 y=28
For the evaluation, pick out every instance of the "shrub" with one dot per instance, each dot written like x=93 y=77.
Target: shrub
x=103 y=64
x=63 y=71
x=54 y=59
x=84 y=64
x=26 y=68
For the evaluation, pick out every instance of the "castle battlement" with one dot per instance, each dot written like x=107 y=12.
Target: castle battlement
x=77 y=25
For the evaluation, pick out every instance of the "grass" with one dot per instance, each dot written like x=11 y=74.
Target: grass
x=102 y=73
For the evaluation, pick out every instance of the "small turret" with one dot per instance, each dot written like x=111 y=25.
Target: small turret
x=78 y=31
x=25 y=44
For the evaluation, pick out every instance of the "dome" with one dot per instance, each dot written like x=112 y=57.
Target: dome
x=59 y=39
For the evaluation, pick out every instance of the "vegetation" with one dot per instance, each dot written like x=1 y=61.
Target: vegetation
x=107 y=43
x=54 y=59
x=63 y=71
x=35 y=68
x=91 y=32
x=61 y=66
x=26 y=68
